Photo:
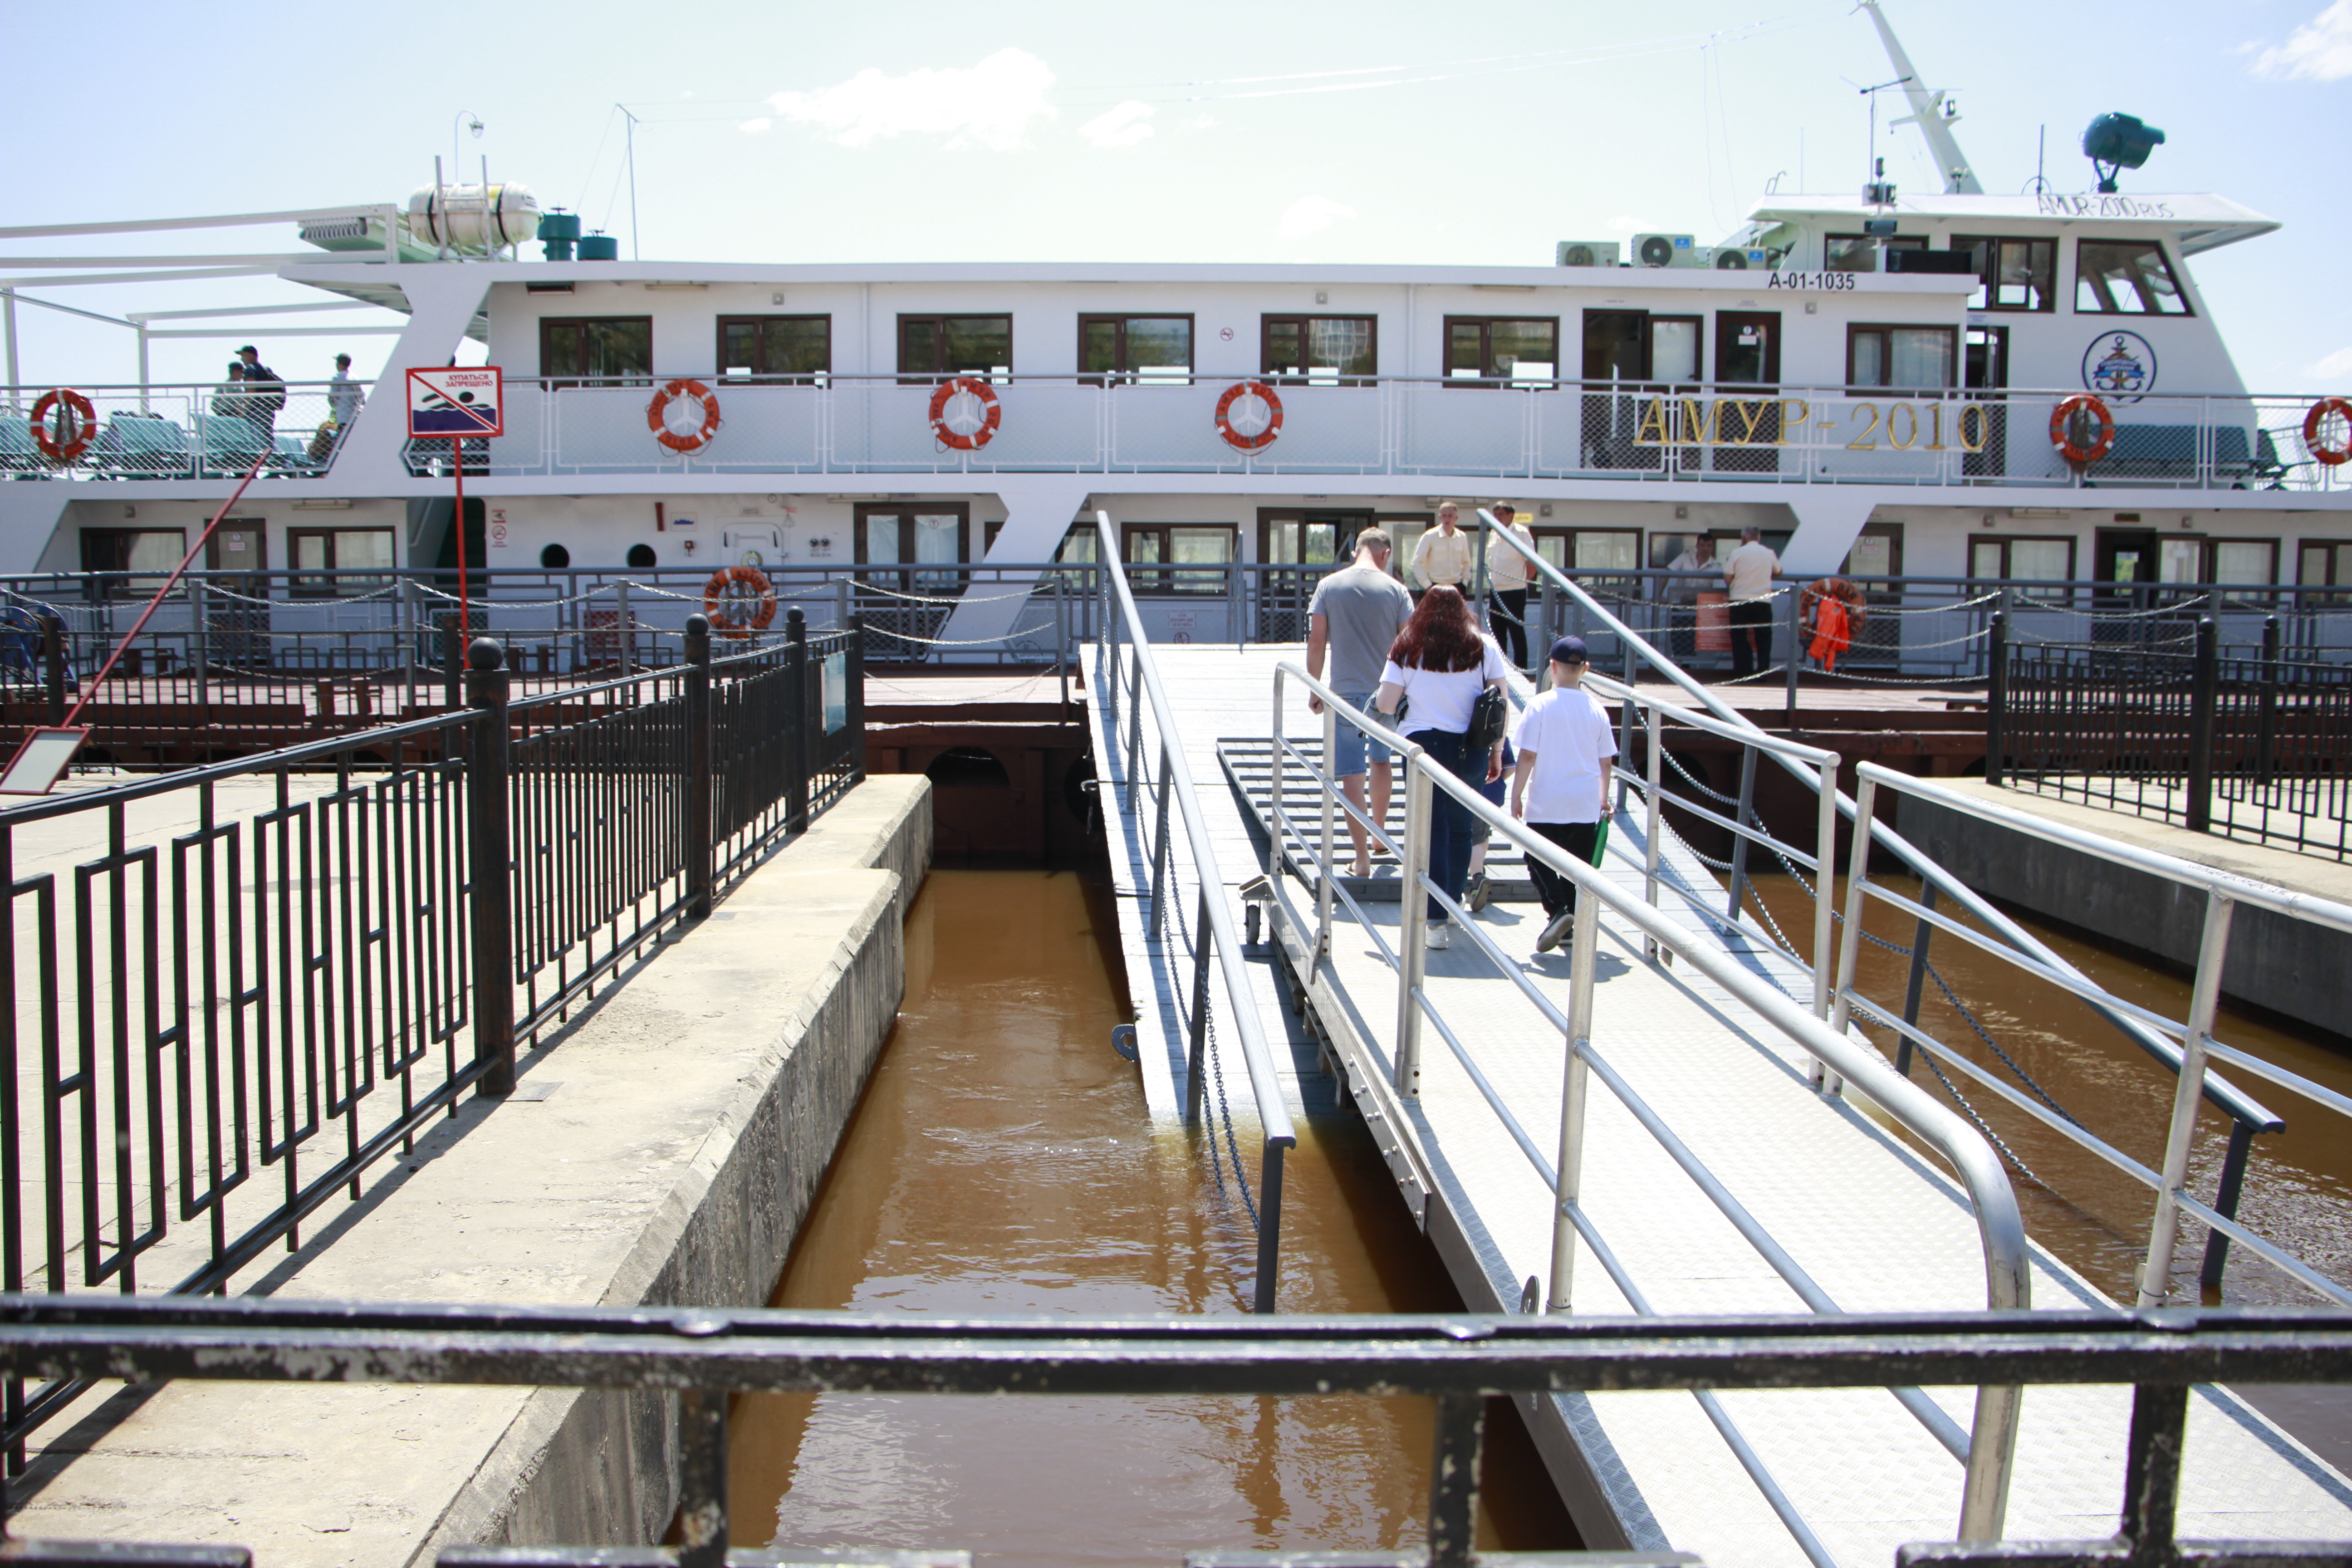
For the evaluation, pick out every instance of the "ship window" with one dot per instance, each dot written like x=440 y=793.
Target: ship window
x=596 y=350
x=2033 y=560
x=1859 y=252
x=1677 y=348
x=2012 y=274
x=2190 y=558
x=775 y=346
x=1900 y=357
x=2126 y=277
x=341 y=550
x=1151 y=350
x=1157 y=552
x=1502 y=348
x=955 y=345
x=1322 y=349
x=2326 y=564
x=143 y=550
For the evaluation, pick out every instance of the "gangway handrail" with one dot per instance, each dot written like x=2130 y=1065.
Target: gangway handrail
x=1176 y=779
x=2001 y=1225
x=2225 y=1096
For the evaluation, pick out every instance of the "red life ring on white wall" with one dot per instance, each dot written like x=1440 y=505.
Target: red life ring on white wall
x=2321 y=412
x=1260 y=419
x=2062 y=434
x=76 y=422
x=963 y=429
x=684 y=415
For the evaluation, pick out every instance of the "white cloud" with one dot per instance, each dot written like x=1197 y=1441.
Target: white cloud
x=753 y=127
x=1121 y=127
x=2335 y=365
x=2319 y=50
x=1310 y=214
x=989 y=105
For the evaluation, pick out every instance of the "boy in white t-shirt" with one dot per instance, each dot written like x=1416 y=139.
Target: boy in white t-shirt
x=1560 y=788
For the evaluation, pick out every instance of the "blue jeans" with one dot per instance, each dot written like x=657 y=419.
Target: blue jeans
x=1451 y=827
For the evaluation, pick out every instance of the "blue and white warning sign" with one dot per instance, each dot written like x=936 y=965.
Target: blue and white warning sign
x=455 y=401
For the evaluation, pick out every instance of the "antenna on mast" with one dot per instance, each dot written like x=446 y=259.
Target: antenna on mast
x=1930 y=112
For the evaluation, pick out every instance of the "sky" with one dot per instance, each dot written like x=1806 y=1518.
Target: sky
x=1474 y=133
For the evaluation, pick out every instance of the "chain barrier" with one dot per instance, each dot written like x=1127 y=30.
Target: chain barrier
x=1035 y=631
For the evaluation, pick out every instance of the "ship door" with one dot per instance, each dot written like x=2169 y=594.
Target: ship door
x=1297 y=548
x=1986 y=374
x=1616 y=365
x=2121 y=560
x=237 y=597
x=910 y=569
x=1747 y=382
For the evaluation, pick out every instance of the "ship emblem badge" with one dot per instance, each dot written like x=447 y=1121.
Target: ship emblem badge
x=2119 y=365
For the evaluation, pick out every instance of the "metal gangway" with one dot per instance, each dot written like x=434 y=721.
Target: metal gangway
x=1675 y=1114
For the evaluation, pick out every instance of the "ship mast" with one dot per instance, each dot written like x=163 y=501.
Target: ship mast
x=1928 y=112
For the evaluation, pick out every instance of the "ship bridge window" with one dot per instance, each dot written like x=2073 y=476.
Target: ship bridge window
x=601 y=351
x=341 y=550
x=956 y=345
x=2126 y=277
x=1859 y=252
x=1151 y=350
x=1905 y=358
x=775 y=347
x=2012 y=274
x=1502 y=348
x=1327 y=350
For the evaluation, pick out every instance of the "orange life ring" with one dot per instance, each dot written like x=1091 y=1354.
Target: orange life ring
x=1238 y=440
x=716 y=597
x=75 y=430
x=992 y=413
x=2320 y=412
x=684 y=441
x=2061 y=434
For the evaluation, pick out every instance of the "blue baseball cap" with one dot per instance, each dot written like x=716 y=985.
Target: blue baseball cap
x=1571 y=650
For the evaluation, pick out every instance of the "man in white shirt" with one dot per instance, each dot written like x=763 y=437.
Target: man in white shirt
x=1683 y=593
x=1356 y=614
x=1508 y=574
x=1560 y=788
x=1443 y=555
x=1748 y=572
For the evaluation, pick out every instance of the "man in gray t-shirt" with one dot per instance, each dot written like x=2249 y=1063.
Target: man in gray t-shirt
x=1356 y=614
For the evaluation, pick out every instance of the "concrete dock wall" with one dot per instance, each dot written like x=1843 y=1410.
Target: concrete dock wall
x=680 y=1129
x=2287 y=966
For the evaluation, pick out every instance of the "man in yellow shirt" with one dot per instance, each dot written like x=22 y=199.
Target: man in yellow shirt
x=1443 y=556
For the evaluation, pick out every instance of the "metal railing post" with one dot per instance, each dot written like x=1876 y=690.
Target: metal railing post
x=854 y=667
x=1997 y=699
x=53 y=665
x=1159 y=860
x=488 y=855
x=1652 y=762
x=1575 y=1081
x=2204 y=1000
x=1327 y=877
x=701 y=870
x=199 y=627
x=1914 y=988
x=1796 y=654
x=1274 y=846
x=624 y=628
x=1412 y=921
x=1270 y=1216
x=1196 y=1051
x=800 y=743
x=1454 y=1481
x=1624 y=717
x=1825 y=875
x=702 y=1477
x=2225 y=1199
x=453 y=658
x=1858 y=885
x=841 y=601
x=1739 y=839
x=2266 y=710
x=2204 y=703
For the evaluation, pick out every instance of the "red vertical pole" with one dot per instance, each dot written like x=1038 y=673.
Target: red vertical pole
x=464 y=620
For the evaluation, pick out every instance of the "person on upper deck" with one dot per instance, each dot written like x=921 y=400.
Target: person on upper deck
x=344 y=396
x=266 y=392
x=1561 y=786
x=1444 y=555
x=1440 y=662
x=1749 y=571
x=1508 y=573
x=1356 y=614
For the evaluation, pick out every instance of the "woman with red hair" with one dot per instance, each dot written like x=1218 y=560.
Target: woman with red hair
x=1438 y=665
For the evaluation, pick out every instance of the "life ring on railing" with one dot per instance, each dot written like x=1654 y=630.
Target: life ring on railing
x=1259 y=421
x=720 y=592
x=684 y=415
x=2321 y=412
x=2063 y=433
x=965 y=430
x=77 y=424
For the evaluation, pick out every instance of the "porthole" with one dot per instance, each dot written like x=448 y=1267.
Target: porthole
x=555 y=557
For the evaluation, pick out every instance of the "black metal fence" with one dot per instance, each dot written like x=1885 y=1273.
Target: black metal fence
x=227 y=993
x=2254 y=748
x=686 y=1361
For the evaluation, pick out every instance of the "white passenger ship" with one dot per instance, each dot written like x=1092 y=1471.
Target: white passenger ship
x=1881 y=382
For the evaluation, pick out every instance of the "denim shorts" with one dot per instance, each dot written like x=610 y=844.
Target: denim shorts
x=1355 y=752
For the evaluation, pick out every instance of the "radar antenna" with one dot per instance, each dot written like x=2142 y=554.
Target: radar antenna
x=1930 y=112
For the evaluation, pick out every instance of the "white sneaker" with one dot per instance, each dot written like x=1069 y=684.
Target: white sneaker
x=1441 y=935
x=1556 y=932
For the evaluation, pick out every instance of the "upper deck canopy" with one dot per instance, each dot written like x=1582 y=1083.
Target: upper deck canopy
x=2199 y=223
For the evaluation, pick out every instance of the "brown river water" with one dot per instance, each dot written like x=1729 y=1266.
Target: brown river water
x=1002 y=1163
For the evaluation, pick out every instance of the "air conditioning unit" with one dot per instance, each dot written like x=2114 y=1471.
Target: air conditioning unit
x=1586 y=253
x=1663 y=250
x=1739 y=257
